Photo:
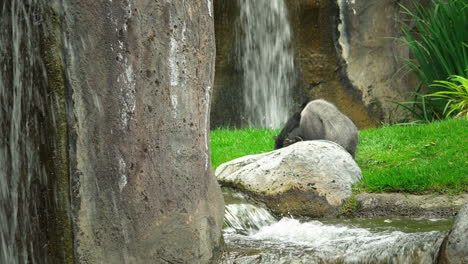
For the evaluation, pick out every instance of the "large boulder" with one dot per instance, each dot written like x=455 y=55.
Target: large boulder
x=310 y=178
x=454 y=249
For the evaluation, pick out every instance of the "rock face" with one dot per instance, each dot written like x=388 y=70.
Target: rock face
x=139 y=86
x=310 y=178
x=350 y=53
x=454 y=249
x=373 y=51
x=315 y=25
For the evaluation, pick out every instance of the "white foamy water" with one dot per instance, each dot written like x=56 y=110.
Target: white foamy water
x=292 y=241
x=266 y=60
x=246 y=218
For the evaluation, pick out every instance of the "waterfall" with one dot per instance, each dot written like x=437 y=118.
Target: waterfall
x=29 y=197
x=253 y=235
x=266 y=60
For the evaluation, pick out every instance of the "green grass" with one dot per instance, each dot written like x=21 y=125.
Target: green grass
x=413 y=159
x=228 y=144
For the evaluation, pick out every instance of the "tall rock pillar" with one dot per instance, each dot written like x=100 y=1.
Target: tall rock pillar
x=139 y=77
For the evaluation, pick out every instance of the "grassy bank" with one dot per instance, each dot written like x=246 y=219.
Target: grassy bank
x=228 y=144
x=415 y=159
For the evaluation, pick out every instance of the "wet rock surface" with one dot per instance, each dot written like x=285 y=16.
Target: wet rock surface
x=454 y=249
x=310 y=178
x=34 y=203
x=408 y=205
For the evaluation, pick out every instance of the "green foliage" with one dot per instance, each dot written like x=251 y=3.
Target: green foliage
x=438 y=43
x=455 y=92
x=351 y=204
x=417 y=159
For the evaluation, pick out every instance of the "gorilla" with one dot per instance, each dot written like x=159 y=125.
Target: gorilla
x=319 y=119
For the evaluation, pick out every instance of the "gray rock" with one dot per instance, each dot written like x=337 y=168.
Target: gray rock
x=310 y=178
x=454 y=249
x=139 y=75
x=408 y=205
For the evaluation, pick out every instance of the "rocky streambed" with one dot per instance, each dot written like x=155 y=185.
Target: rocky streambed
x=287 y=207
x=253 y=235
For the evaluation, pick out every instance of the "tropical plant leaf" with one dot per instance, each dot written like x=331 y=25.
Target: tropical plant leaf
x=439 y=44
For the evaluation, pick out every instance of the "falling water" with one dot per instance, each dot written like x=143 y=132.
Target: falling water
x=266 y=60
x=254 y=236
x=28 y=198
x=246 y=218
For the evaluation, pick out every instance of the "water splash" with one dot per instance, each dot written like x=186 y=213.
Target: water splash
x=254 y=236
x=246 y=218
x=266 y=60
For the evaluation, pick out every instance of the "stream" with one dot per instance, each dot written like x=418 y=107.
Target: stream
x=253 y=235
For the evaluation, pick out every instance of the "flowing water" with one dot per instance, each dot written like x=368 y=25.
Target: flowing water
x=266 y=60
x=28 y=199
x=253 y=235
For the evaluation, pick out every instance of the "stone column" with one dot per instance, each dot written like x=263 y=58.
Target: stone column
x=139 y=78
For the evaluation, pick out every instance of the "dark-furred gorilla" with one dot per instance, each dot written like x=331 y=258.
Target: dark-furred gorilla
x=319 y=119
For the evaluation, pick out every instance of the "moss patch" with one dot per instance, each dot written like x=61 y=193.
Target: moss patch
x=61 y=244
